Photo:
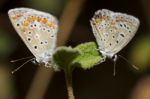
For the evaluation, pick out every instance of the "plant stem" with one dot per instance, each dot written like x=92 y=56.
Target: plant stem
x=68 y=77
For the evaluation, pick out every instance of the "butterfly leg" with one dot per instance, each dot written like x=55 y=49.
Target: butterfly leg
x=104 y=57
x=101 y=61
x=115 y=61
x=48 y=65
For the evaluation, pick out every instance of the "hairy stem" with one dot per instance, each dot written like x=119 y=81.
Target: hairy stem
x=68 y=77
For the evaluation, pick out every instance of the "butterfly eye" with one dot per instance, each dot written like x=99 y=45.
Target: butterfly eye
x=113 y=57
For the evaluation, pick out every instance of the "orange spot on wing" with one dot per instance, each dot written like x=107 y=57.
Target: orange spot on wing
x=44 y=20
x=112 y=22
x=19 y=15
x=52 y=25
x=23 y=29
x=97 y=21
x=29 y=19
x=105 y=17
x=26 y=23
x=39 y=19
x=34 y=18
x=14 y=17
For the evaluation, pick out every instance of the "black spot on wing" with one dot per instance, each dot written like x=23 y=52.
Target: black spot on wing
x=41 y=42
x=29 y=32
x=46 y=42
x=120 y=25
x=48 y=30
x=128 y=28
x=35 y=47
x=129 y=31
x=110 y=44
x=18 y=24
x=29 y=39
x=124 y=25
x=31 y=25
x=122 y=35
x=117 y=41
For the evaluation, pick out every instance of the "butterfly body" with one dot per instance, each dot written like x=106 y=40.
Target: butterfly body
x=37 y=29
x=113 y=31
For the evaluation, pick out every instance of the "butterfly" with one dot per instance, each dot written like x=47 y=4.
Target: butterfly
x=113 y=31
x=38 y=30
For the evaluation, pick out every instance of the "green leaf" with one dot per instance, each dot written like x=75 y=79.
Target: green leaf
x=64 y=56
x=85 y=55
x=89 y=55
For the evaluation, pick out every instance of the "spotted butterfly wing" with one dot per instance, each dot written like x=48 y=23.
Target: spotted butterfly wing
x=37 y=29
x=113 y=31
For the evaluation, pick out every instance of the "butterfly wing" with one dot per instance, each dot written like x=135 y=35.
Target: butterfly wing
x=113 y=31
x=37 y=29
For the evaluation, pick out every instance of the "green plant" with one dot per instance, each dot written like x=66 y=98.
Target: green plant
x=84 y=55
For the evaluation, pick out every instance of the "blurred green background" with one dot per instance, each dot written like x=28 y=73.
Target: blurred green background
x=96 y=83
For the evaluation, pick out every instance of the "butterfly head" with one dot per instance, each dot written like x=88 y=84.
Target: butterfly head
x=108 y=55
x=45 y=58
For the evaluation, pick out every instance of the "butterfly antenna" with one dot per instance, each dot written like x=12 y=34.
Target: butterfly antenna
x=21 y=65
x=20 y=59
x=114 y=70
x=135 y=67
